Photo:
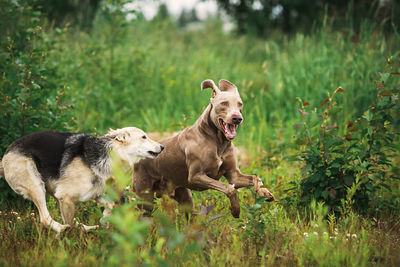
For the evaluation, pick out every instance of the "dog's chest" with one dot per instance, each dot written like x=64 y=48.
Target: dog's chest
x=79 y=182
x=215 y=169
x=95 y=189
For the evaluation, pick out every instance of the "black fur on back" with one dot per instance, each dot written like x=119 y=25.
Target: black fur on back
x=52 y=151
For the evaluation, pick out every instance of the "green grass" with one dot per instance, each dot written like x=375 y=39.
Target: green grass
x=148 y=75
x=152 y=80
x=282 y=237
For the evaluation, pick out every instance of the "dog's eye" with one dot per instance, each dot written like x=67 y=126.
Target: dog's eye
x=225 y=103
x=240 y=104
x=144 y=137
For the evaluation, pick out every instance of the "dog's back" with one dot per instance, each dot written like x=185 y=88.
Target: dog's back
x=46 y=150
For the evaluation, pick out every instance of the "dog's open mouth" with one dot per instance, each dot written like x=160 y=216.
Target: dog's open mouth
x=153 y=154
x=228 y=129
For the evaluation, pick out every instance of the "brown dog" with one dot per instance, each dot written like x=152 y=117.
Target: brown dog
x=198 y=156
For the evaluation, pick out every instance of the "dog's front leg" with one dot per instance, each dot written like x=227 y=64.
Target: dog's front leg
x=239 y=180
x=108 y=206
x=201 y=180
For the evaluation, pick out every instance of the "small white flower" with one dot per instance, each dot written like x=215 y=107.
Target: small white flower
x=32 y=214
x=18 y=218
x=354 y=236
x=324 y=233
x=305 y=234
x=348 y=235
x=315 y=233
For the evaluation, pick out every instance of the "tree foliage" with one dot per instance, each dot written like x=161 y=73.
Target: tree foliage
x=261 y=16
x=32 y=95
x=77 y=12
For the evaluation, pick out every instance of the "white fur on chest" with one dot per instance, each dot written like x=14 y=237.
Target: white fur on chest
x=78 y=183
x=219 y=163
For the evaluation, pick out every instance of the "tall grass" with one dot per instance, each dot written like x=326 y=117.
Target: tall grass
x=154 y=78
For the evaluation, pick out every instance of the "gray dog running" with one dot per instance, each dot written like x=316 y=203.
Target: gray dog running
x=72 y=167
x=198 y=156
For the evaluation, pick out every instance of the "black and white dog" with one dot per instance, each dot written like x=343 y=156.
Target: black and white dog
x=72 y=167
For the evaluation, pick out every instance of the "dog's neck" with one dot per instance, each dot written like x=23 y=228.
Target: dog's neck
x=101 y=164
x=207 y=127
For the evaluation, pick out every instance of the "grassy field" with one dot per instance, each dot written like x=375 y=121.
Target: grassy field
x=148 y=75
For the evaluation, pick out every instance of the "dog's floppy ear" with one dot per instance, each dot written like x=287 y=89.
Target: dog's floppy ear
x=117 y=135
x=210 y=84
x=225 y=85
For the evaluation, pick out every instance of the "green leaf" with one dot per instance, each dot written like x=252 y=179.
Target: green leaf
x=335 y=110
x=325 y=194
x=315 y=178
x=317 y=192
x=256 y=206
x=384 y=77
x=300 y=141
x=370 y=130
x=368 y=115
x=369 y=187
x=348 y=180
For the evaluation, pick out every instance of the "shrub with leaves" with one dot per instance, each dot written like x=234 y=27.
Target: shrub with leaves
x=31 y=95
x=349 y=159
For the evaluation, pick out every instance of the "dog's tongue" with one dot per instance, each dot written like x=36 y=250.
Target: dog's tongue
x=230 y=131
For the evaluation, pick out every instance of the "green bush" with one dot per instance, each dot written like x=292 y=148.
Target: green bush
x=32 y=95
x=347 y=164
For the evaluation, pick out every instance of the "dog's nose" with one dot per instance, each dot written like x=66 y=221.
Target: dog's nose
x=162 y=148
x=237 y=120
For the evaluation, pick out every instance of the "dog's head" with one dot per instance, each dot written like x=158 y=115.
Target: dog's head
x=132 y=144
x=226 y=111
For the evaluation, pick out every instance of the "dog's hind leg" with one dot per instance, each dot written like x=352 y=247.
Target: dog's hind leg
x=184 y=197
x=39 y=198
x=67 y=208
x=142 y=184
x=23 y=177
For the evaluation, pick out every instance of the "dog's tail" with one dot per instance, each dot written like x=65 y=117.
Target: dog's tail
x=1 y=169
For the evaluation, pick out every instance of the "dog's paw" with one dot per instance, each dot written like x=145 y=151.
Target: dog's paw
x=235 y=205
x=235 y=211
x=264 y=192
x=61 y=229
x=90 y=227
x=106 y=225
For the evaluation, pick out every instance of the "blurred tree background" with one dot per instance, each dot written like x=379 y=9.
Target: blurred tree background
x=76 y=12
x=251 y=16
x=262 y=16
